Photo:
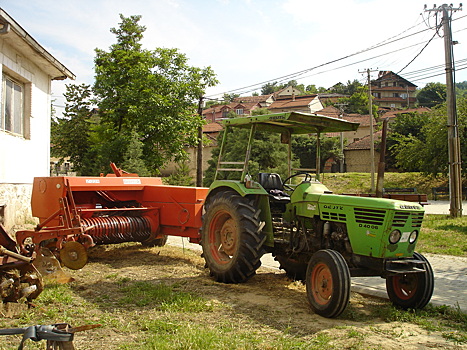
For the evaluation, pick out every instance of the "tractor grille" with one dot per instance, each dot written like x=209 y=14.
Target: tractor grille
x=369 y=216
x=402 y=217
x=334 y=216
x=417 y=219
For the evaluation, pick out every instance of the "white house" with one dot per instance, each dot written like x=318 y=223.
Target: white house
x=27 y=71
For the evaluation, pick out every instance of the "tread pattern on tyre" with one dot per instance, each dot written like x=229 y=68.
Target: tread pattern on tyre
x=246 y=261
x=341 y=283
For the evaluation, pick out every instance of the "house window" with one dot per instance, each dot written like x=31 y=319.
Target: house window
x=239 y=111
x=396 y=94
x=224 y=114
x=12 y=117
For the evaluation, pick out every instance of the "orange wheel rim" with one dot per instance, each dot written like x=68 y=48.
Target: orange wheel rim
x=405 y=286
x=223 y=237
x=321 y=283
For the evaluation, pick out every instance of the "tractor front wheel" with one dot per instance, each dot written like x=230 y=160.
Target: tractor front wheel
x=231 y=237
x=411 y=290
x=328 y=283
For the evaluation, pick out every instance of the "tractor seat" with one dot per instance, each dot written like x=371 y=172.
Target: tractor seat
x=272 y=183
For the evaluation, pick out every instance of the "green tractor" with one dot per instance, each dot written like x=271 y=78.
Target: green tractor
x=318 y=237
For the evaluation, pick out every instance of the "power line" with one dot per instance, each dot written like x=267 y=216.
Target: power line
x=296 y=74
x=413 y=59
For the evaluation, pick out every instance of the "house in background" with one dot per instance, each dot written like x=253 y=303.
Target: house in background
x=27 y=72
x=357 y=154
x=217 y=112
x=263 y=100
x=301 y=103
x=392 y=91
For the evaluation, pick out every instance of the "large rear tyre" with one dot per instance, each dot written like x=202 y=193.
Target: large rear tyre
x=328 y=283
x=231 y=237
x=414 y=290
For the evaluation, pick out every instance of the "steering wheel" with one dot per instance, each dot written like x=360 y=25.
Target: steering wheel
x=308 y=177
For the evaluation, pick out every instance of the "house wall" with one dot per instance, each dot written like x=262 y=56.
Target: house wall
x=358 y=161
x=24 y=157
x=352 y=136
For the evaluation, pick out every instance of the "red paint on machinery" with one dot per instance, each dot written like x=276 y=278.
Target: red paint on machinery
x=117 y=208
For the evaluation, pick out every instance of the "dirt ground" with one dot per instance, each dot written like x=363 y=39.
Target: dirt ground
x=269 y=303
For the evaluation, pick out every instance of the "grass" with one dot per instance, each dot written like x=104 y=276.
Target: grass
x=157 y=314
x=168 y=335
x=441 y=234
x=451 y=322
x=361 y=182
x=162 y=297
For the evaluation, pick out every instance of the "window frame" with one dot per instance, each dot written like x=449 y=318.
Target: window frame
x=15 y=102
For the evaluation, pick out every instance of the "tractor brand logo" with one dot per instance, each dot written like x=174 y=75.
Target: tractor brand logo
x=333 y=207
x=311 y=207
x=276 y=117
x=372 y=227
x=409 y=206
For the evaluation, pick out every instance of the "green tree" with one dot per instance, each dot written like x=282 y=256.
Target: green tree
x=350 y=88
x=147 y=95
x=432 y=95
x=358 y=102
x=406 y=127
x=270 y=88
x=427 y=151
x=227 y=98
x=70 y=134
x=304 y=149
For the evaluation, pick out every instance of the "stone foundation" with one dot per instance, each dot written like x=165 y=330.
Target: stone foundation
x=15 y=207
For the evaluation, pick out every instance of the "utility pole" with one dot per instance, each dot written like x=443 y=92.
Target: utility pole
x=342 y=162
x=372 y=136
x=199 y=156
x=455 y=181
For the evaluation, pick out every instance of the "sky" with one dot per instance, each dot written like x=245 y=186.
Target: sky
x=248 y=43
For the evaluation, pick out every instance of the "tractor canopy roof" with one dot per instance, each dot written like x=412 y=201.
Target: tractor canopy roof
x=294 y=122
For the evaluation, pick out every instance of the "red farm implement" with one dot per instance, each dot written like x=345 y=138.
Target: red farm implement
x=76 y=213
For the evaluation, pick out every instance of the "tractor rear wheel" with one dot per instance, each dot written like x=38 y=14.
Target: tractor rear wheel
x=414 y=290
x=328 y=283
x=231 y=237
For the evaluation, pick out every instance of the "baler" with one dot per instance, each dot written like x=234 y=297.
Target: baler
x=76 y=213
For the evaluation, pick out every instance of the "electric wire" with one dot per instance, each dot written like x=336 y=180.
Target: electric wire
x=296 y=74
x=388 y=41
x=416 y=56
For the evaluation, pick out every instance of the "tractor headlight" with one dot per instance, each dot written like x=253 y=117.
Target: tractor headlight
x=413 y=236
x=395 y=236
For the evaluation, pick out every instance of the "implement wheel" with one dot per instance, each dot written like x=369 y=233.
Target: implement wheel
x=231 y=237
x=328 y=283
x=414 y=290
x=73 y=255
